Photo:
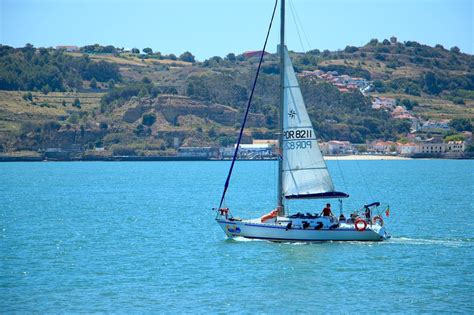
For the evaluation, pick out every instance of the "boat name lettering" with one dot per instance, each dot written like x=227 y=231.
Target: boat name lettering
x=298 y=134
x=299 y=144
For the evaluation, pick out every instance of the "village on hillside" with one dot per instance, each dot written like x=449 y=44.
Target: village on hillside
x=174 y=107
x=426 y=137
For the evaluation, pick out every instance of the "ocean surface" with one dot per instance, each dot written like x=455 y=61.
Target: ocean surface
x=141 y=237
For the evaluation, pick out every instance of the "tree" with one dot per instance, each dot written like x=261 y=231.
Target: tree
x=406 y=102
x=147 y=50
x=379 y=57
x=458 y=100
x=187 y=56
x=373 y=42
x=412 y=89
x=143 y=92
x=314 y=52
x=45 y=89
x=93 y=83
x=455 y=50
x=111 y=84
x=457 y=137
x=431 y=83
x=231 y=57
x=461 y=124
x=76 y=103
x=74 y=118
x=28 y=96
x=409 y=104
x=379 y=86
x=148 y=119
x=350 y=49
x=103 y=125
x=135 y=51
x=146 y=80
x=386 y=42
x=212 y=133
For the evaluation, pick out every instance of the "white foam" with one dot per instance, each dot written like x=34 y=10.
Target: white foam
x=440 y=242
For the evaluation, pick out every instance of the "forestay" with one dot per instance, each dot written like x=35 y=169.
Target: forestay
x=305 y=174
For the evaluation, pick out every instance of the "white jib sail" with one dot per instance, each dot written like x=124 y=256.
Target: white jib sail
x=304 y=169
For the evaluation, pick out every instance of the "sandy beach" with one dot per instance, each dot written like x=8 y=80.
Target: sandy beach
x=366 y=157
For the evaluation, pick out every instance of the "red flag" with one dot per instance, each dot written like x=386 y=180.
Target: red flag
x=387 y=211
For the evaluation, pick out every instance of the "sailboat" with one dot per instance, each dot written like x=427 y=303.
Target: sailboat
x=302 y=174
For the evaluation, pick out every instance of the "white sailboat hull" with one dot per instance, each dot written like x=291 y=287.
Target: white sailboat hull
x=279 y=233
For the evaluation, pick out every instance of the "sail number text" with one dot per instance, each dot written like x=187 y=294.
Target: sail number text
x=298 y=144
x=298 y=139
x=298 y=134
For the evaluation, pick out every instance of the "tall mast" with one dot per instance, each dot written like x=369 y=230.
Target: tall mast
x=282 y=96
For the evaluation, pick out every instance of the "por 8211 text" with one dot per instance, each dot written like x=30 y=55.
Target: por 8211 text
x=298 y=134
x=298 y=144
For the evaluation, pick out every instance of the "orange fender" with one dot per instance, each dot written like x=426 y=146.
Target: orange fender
x=269 y=216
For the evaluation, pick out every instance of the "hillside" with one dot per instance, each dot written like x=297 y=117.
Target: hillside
x=135 y=103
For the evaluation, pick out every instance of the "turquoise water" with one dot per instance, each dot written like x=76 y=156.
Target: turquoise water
x=140 y=236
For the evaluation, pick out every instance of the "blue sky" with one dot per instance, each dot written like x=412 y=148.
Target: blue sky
x=212 y=27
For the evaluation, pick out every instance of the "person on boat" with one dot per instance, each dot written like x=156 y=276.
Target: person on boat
x=327 y=211
x=353 y=217
x=367 y=213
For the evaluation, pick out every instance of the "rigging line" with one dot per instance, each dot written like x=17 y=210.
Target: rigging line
x=367 y=187
x=296 y=24
x=226 y=185
x=342 y=174
x=301 y=25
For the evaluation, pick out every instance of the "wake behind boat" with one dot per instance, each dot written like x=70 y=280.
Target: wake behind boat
x=302 y=174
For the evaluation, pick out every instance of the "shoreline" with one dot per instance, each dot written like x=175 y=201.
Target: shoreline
x=360 y=157
x=367 y=157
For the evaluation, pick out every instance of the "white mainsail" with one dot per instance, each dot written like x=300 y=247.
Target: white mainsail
x=305 y=173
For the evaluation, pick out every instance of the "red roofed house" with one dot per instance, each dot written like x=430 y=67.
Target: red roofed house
x=339 y=147
x=254 y=53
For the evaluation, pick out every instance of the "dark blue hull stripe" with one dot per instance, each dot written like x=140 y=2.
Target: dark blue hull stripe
x=284 y=228
x=303 y=240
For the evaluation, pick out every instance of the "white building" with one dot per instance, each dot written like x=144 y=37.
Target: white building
x=199 y=152
x=339 y=147
x=255 y=151
x=435 y=125
x=408 y=148
x=67 y=48
x=456 y=146
x=382 y=146
x=432 y=148
x=451 y=148
x=381 y=102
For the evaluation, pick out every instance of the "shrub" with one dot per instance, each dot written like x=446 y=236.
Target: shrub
x=76 y=103
x=123 y=150
x=148 y=119
x=458 y=100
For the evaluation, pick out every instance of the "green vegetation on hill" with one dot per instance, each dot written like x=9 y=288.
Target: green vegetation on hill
x=32 y=69
x=149 y=100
